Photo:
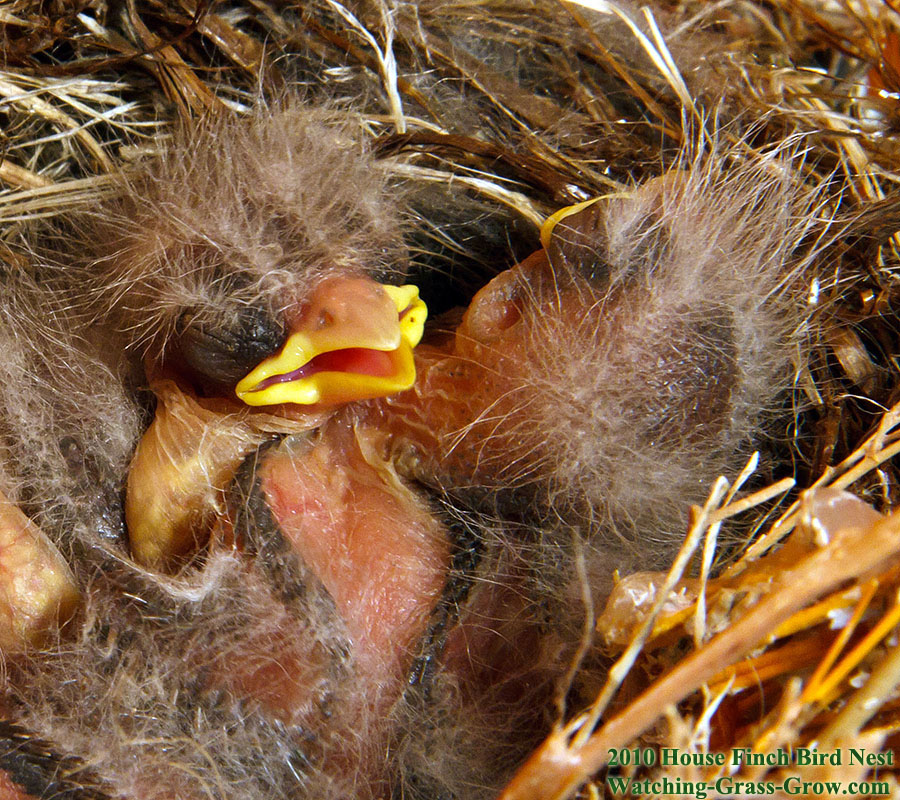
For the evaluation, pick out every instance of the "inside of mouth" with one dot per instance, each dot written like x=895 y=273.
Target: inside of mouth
x=353 y=360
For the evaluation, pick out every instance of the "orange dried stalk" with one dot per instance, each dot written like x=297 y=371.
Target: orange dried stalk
x=802 y=586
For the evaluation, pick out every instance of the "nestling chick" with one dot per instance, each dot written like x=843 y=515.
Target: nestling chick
x=264 y=670
x=212 y=271
x=590 y=394
x=610 y=377
x=256 y=261
x=251 y=241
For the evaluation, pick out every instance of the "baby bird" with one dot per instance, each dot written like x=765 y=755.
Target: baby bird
x=257 y=258
x=269 y=667
x=222 y=273
x=583 y=401
x=256 y=263
x=610 y=377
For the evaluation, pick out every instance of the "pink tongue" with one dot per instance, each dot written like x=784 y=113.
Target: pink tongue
x=368 y=539
x=358 y=360
x=353 y=360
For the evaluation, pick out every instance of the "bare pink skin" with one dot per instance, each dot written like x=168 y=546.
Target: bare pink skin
x=367 y=538
x=383 y=559
x=464 y=416
x=10 y=791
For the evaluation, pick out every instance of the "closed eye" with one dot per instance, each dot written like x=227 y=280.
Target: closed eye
x=222 y=351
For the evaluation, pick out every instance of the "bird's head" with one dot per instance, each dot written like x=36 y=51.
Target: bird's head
x=349 y=338
x=261 y=261
x=634 y=353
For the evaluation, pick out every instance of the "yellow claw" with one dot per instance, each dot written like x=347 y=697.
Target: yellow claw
x=355 y=343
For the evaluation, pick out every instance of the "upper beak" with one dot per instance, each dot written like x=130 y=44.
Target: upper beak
x=558 y=216
x=352 y=342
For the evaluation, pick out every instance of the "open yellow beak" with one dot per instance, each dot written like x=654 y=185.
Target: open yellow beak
x=353 y=342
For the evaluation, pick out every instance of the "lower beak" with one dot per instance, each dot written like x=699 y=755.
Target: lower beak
x=353 y=341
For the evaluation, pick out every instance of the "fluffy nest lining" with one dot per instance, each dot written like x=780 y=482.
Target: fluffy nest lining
x=788 y=638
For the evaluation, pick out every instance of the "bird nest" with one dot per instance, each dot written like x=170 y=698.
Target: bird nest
x=775 y=630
